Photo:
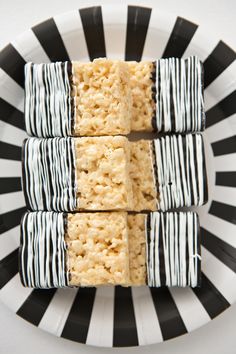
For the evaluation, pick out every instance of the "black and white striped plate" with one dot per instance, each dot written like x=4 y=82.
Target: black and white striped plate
x=123 y=316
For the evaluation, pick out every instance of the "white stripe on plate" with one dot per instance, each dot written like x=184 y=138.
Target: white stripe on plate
x=222 y=229
x=58 y=310
x=191 y=310
x=225 y=195
x=13 y=294
x=9 y=241
x=71 y=30
x=222 y=130
x=221 y=87
x=201 y=45
x=11 y=134
x=100 y=330
x=29 y=48
x=11 y=92
x=220 y=275
x=160 y=26
x=115 y=37
x=225 y=162
x=147 y=323
x=10 y=168
x=11 y=201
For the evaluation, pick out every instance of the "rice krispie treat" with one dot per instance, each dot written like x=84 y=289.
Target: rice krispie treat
x=167 y=95
x=67 y=174
x=82 y=249
x=77 y=99
x=169 y=172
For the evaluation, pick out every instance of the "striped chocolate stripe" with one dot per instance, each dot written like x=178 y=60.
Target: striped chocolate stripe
x=211 y=299
x=13 y=64
x=42 y=254
x=223 y=211
x=11 y=219
x=10 y=152
x=180 y=38
x=49 y=166
x=92 y=22
x=137 y=26
x=35 y=305
x=227 y=178
x=51 y=41
x=10 y=184
x=222 y=250
x=8 y=267
x=221 y=110
x=224 y=146
x=125 y=330
x=171 y=325
x=77 y=323
x=220 y=58
x=11 y=115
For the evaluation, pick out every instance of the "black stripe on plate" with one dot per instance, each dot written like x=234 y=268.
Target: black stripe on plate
x=223 y=211
x=11 y=115
x=125 y=330
x=11 y=219
x=36 y=304
x=171 y=323
x=224 y=146
x=219 y=59
x=221 y=110
x=92 y=22
x=10 y=152
x=226 y=178
x=220 y=249
x=137 y=25
x=77 y=323
x=8 y=268
x=180 y=38
x=12 y=63
x=10 y=184
x=51 y=41
x=212 y=300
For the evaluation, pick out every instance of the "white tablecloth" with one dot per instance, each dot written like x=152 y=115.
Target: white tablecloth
x=16 y=335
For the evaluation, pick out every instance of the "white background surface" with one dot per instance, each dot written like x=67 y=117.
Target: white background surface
x=16 y=335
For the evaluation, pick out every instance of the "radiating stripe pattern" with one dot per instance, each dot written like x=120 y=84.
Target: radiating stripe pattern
x=181 y=171
x=42 y=253
x=173 y=261
x=179 y=95
x=49 y=105
x=49 y=174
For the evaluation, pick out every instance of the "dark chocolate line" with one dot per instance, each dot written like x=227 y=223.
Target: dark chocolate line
x=218 y=61
x=226 y=178
x=51 y=40
x=180 y=38
x=125 y=329
x=210 y=297
x=136 y=31
x=13 y=64
x=171 y=323
x=11 y=219
x=220 y=249
x=92 y=22
x=223 y=211
x=10 y=184
x=77 y=323
x=10 y=152
x=8 y=267
x=11 y=115
x=224 y=146
x=36 y=304
x=222 y=110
